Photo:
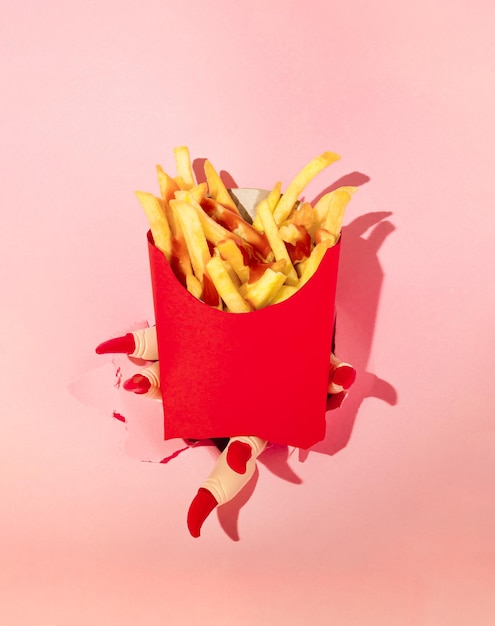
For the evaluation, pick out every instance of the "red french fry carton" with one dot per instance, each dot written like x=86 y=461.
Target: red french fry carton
x=263 y=373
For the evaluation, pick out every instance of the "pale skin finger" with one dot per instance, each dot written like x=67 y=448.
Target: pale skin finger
x=139 y=344
x=146 y=382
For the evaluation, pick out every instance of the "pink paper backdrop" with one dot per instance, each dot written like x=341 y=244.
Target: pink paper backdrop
x=390 y=520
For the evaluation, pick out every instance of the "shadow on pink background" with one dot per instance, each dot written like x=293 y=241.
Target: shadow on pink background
x=361 y=278
x=389 y=521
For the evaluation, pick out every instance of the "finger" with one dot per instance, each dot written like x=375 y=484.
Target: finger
x=342 y=375
x=203 y=504
x=233 y=470
x=140 y=344
x=118 y=345
x=335 y=401
x=146 y=382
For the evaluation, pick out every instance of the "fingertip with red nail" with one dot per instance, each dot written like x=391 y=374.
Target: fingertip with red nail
x=118 y=345
x=335 y=401
x=238 y=455
x=137 y=384
x=202 y=505
x=344 y=375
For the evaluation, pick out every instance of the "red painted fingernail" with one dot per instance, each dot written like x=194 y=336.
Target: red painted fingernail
x=336 y=400
x=138 y=384
x=344 y=375
x=238 y=454
x=202 y=505
x=119 y=345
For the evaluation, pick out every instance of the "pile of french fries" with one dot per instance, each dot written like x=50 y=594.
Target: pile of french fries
x=228 y=262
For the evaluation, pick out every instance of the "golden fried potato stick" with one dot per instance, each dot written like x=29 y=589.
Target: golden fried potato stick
x=185 y=175
x=289 y=233
x=181 y=261
x=168 y=186
x=159 y=226
x=225 y=286
x=299 y=183
x=194 y=194
x=302 y=215
x=329 y=210
x=262 y=292
x=217 y=189
x=194 y=236
x=180 y=256
x=229 y=251
x=233 y=276
x=276 y=242
x=285 y=291
x=272 y=200
x=181 y=183
x=194 y=286
x=311 y=264
x=324 y=235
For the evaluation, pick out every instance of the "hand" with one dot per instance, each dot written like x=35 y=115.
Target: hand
x=139 y=344
x=237 y=463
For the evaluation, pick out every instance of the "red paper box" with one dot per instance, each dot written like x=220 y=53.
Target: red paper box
x=262 y=373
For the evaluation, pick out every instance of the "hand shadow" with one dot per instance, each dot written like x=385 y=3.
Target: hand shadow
x=228 y=513
x=275 y=458
x=358 y=293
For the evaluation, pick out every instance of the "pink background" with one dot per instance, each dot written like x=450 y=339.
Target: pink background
x=392 y=519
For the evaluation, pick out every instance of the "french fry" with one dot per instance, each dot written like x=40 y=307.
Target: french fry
x=271 y=200
x=194 y=235
x=194 y=286
x=159 y=226
x=324 y=235
x=335 y=214
x=276 y=242
x=285 y=291
x=180 y=260
x=183 y=165
x=300 y=182
x=196 y=193
x=225 y=286
x=230 y=252
x=233 y=276
x=256 y=270
x=297 y=240
x=290 y=233
x=260 y=293
x=181 y=183
x=210 y=293
x=217 y=189
x=333 y=202
x=167 y=185
x=302 y=215
x=313 y=261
